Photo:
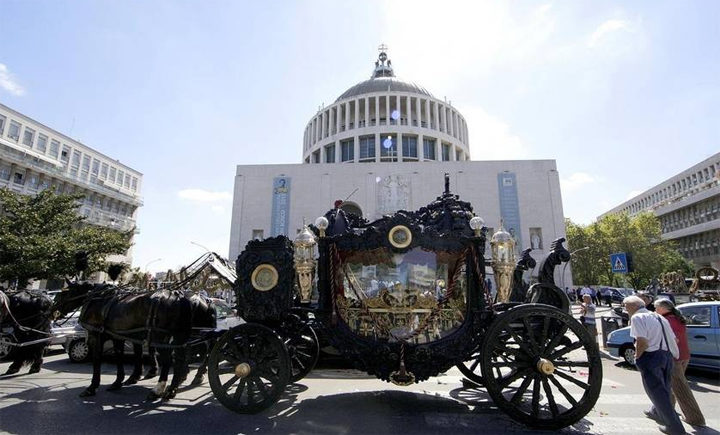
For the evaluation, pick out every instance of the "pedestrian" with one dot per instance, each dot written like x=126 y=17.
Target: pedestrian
x=655 y=348
x=587 y=315
x=648 y=299
x=680 y=388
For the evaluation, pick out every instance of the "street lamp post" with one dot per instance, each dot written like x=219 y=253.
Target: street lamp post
x=565 y=265
x=201 y=246
x=151 y=262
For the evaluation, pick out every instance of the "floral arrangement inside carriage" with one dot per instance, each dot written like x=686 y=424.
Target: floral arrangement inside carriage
x=405 y=298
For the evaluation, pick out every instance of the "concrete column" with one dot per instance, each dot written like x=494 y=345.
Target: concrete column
x=436 y=115
x=338 y=152
x=421 y=147
x=367 y=111
x=387 y=109
x=438 y=149
x=357 y=113
x=338 y=117
x=377 y=110
x=418 y=111
x=377 y=147
x=356 y=147
x=399 y=147
x=347 y=115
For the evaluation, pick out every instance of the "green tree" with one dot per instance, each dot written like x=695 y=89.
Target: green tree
x=639 y=235
x=40 y=235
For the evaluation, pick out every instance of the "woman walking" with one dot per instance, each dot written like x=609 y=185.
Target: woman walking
x=587 y=314
x=680 y=388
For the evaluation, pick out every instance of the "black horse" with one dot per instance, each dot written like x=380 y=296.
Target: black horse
x=163 y=319
x=28 y=314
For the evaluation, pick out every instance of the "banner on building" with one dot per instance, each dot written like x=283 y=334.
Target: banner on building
x=280 y=206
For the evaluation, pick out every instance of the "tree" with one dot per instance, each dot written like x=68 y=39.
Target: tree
x=639 y=235
x=41 y=234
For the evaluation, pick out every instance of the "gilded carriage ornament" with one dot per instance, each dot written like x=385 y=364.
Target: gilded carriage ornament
x=304 y=257
x=502 y=246
x=264 y=277
x=400 y=236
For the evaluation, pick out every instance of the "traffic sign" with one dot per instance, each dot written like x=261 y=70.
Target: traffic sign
x=619 y=262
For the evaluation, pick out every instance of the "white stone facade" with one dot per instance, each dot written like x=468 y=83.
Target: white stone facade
x=34 y=157
x=688 y=206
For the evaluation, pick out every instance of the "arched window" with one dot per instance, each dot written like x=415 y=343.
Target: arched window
x=351 y=208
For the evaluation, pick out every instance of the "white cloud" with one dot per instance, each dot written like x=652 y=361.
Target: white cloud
x=576 y=181
x=8 y=82
x=201 y=195
x=605 y=29
x=491 y=138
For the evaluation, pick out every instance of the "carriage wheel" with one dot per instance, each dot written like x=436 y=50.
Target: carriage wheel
x=472 y=367
x=249 y=368
x=541 y=366
x=302 y=345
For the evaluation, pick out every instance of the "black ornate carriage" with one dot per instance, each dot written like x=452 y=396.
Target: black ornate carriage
x=405 y=298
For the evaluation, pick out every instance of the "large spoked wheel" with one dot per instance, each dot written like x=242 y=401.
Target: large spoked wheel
x=472 y=368
x=541 y=366
x=302 y=345
x=249 y=368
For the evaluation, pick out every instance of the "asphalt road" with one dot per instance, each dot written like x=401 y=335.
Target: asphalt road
x=330 y=400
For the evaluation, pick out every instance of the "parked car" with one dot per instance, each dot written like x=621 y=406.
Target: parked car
x=703 y=333
x=78 y=349
x=63 y=330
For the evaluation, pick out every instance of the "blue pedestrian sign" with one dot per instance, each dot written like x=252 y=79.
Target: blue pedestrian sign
x=619 y=262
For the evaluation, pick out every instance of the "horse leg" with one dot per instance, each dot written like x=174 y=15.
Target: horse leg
x=97 y=341
x=202 y=370
x=165 y=359
x=152 y=371
x=37 y=357
x=18 y=362
x=119 y=352
x=180 y=372
x=138 y=366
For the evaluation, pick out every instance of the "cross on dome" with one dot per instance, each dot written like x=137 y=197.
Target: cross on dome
x=383 y=66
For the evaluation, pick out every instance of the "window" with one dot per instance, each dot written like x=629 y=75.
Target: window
x=120 y=176
x=458 y=155
x=33 y=181
x=316 y=156
x=44 y=184
x=409 y=146
x=65 y=155
x=42 y=143
x=388 y=148
x=28 y=137
x=697 y=316
x=2 y=124
x=429 y=149
x=104 y=171
x=257 y=234
x=348 y=150
x=86 y=163
x=14 y=131
x=367 y=149
x=446 y=152
x=111 y=177
x=19 y=178
x=127 y=181
x=134 y=184
x=75 y=159
x=95 y=166
x=330 y=153
x=5 y=173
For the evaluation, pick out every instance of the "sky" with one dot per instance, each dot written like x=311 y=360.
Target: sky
x=623 y=95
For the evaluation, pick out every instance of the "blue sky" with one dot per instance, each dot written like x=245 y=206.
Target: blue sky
x=622 y=94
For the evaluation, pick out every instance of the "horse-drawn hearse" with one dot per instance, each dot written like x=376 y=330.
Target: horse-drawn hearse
x=405 y=298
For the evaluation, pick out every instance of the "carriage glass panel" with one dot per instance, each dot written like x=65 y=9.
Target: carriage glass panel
x=418 y=296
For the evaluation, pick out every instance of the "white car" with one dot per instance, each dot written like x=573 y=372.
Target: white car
x=78 y=349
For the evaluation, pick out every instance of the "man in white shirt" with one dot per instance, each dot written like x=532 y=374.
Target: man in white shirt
x=655 y=348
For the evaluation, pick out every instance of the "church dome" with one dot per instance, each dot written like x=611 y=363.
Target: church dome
x=386 y=119
x=383 y=84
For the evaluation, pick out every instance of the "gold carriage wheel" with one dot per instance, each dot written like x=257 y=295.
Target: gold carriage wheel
x=264 y=277
x=400 y=236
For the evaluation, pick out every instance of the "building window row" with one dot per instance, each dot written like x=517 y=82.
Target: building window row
x=677 y=190
x=385 y=110
x=69 y=156
x=389 y=150
x=700 y=245
x=699 y=213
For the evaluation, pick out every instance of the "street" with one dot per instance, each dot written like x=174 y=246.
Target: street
x=330 y=400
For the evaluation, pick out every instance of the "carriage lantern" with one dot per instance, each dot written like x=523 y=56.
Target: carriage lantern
x=321 y=223
x=502 y=247
x=304 y=247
